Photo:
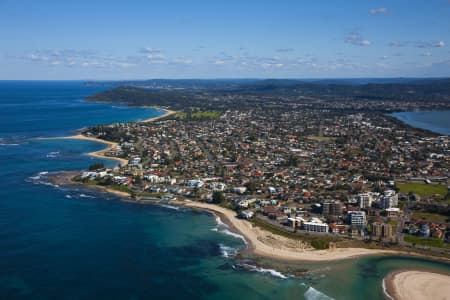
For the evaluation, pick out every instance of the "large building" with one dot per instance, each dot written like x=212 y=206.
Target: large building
x=364 y=200
x=389 y=199
x=382 y=230
x=315 y=225
x=357 y=217
x=332 y=208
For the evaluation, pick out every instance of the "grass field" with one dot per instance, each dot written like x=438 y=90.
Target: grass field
x=422 y=189
x=430 y=217
x=210 y=114
x=321 y=138
x=431 y=242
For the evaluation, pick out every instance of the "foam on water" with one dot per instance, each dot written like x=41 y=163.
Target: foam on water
x=219 y=222
x=53 y=154
x=169 y=206
x=228 y=252
x=86 y=196
x=235 y=235
x=271 y=272
x=41 y=178
x=385 y=290
x=313 y=294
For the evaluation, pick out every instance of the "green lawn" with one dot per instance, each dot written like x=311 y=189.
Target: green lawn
x=438 y=218
x=321 y=138
x=210 y=114
x=422 y=189
x=316 y=241
x=431 y=242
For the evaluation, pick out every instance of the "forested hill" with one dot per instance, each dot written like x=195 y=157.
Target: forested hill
x=426 y=93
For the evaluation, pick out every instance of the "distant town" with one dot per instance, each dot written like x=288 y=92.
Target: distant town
x=339 y=169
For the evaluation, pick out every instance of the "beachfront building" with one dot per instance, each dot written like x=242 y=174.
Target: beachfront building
x=357 y=217
x=315 y=225
x=381 y=230
x=332 y=208
x=389 y=199
x=364 y=200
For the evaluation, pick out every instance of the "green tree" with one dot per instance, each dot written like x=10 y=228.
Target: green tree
x=96 y=166
x=218 y=197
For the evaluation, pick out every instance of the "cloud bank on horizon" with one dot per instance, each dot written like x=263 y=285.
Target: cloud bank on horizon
x=199 y=39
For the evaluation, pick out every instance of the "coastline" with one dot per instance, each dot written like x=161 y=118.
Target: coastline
x=167 y=113
x=416 y=285
x=407 y=118
x=255 y=236
x=110 y=145
x=259 y=242
x=97 y=154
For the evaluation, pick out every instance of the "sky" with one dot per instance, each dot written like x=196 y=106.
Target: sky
x=109 y=40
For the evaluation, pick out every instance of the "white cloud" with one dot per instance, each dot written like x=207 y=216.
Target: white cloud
x=356 y=39
x=397 y=44
x=418 y=44
x=435 y=44
x=285 y=50
x=438 y=44
x=150 y=50
x=378 y=11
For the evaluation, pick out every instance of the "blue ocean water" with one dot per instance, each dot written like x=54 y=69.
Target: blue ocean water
x=57 y=243
x=436 y=121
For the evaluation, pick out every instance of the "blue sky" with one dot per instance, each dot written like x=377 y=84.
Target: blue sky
x=224 y=39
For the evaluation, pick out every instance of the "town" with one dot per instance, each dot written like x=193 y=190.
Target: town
x=302 y=169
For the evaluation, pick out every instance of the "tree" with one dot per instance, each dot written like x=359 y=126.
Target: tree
x=251 y=186
x=218 y=197
x=96 y=166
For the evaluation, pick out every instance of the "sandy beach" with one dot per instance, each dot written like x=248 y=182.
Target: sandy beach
x=417 y=285
x=98 y=154
x=259 y=242
x=110 y=145
x=167 y=113
x=273 y=246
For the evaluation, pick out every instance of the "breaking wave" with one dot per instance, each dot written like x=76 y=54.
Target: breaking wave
x=313 y=294
x=169 y=206
x=385 y=292
x=41 y=178
x=271 y=272
x=220 y=223
x=53 y=154
x=223 y=228
x=12 y=141
x=228 y=252
x=86 y=196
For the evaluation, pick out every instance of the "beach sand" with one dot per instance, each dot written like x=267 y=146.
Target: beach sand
x=110 y=145
x=98 y=154
x=266 y=244
x=417 y=285
x=167 y=113
x=259 y=242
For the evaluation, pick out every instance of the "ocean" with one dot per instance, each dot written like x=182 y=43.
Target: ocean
x=437 y=121
x=59 y=243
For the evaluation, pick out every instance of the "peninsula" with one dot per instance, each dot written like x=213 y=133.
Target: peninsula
x=301 y=177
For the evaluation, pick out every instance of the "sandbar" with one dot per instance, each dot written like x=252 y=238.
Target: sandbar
x=417 y=285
